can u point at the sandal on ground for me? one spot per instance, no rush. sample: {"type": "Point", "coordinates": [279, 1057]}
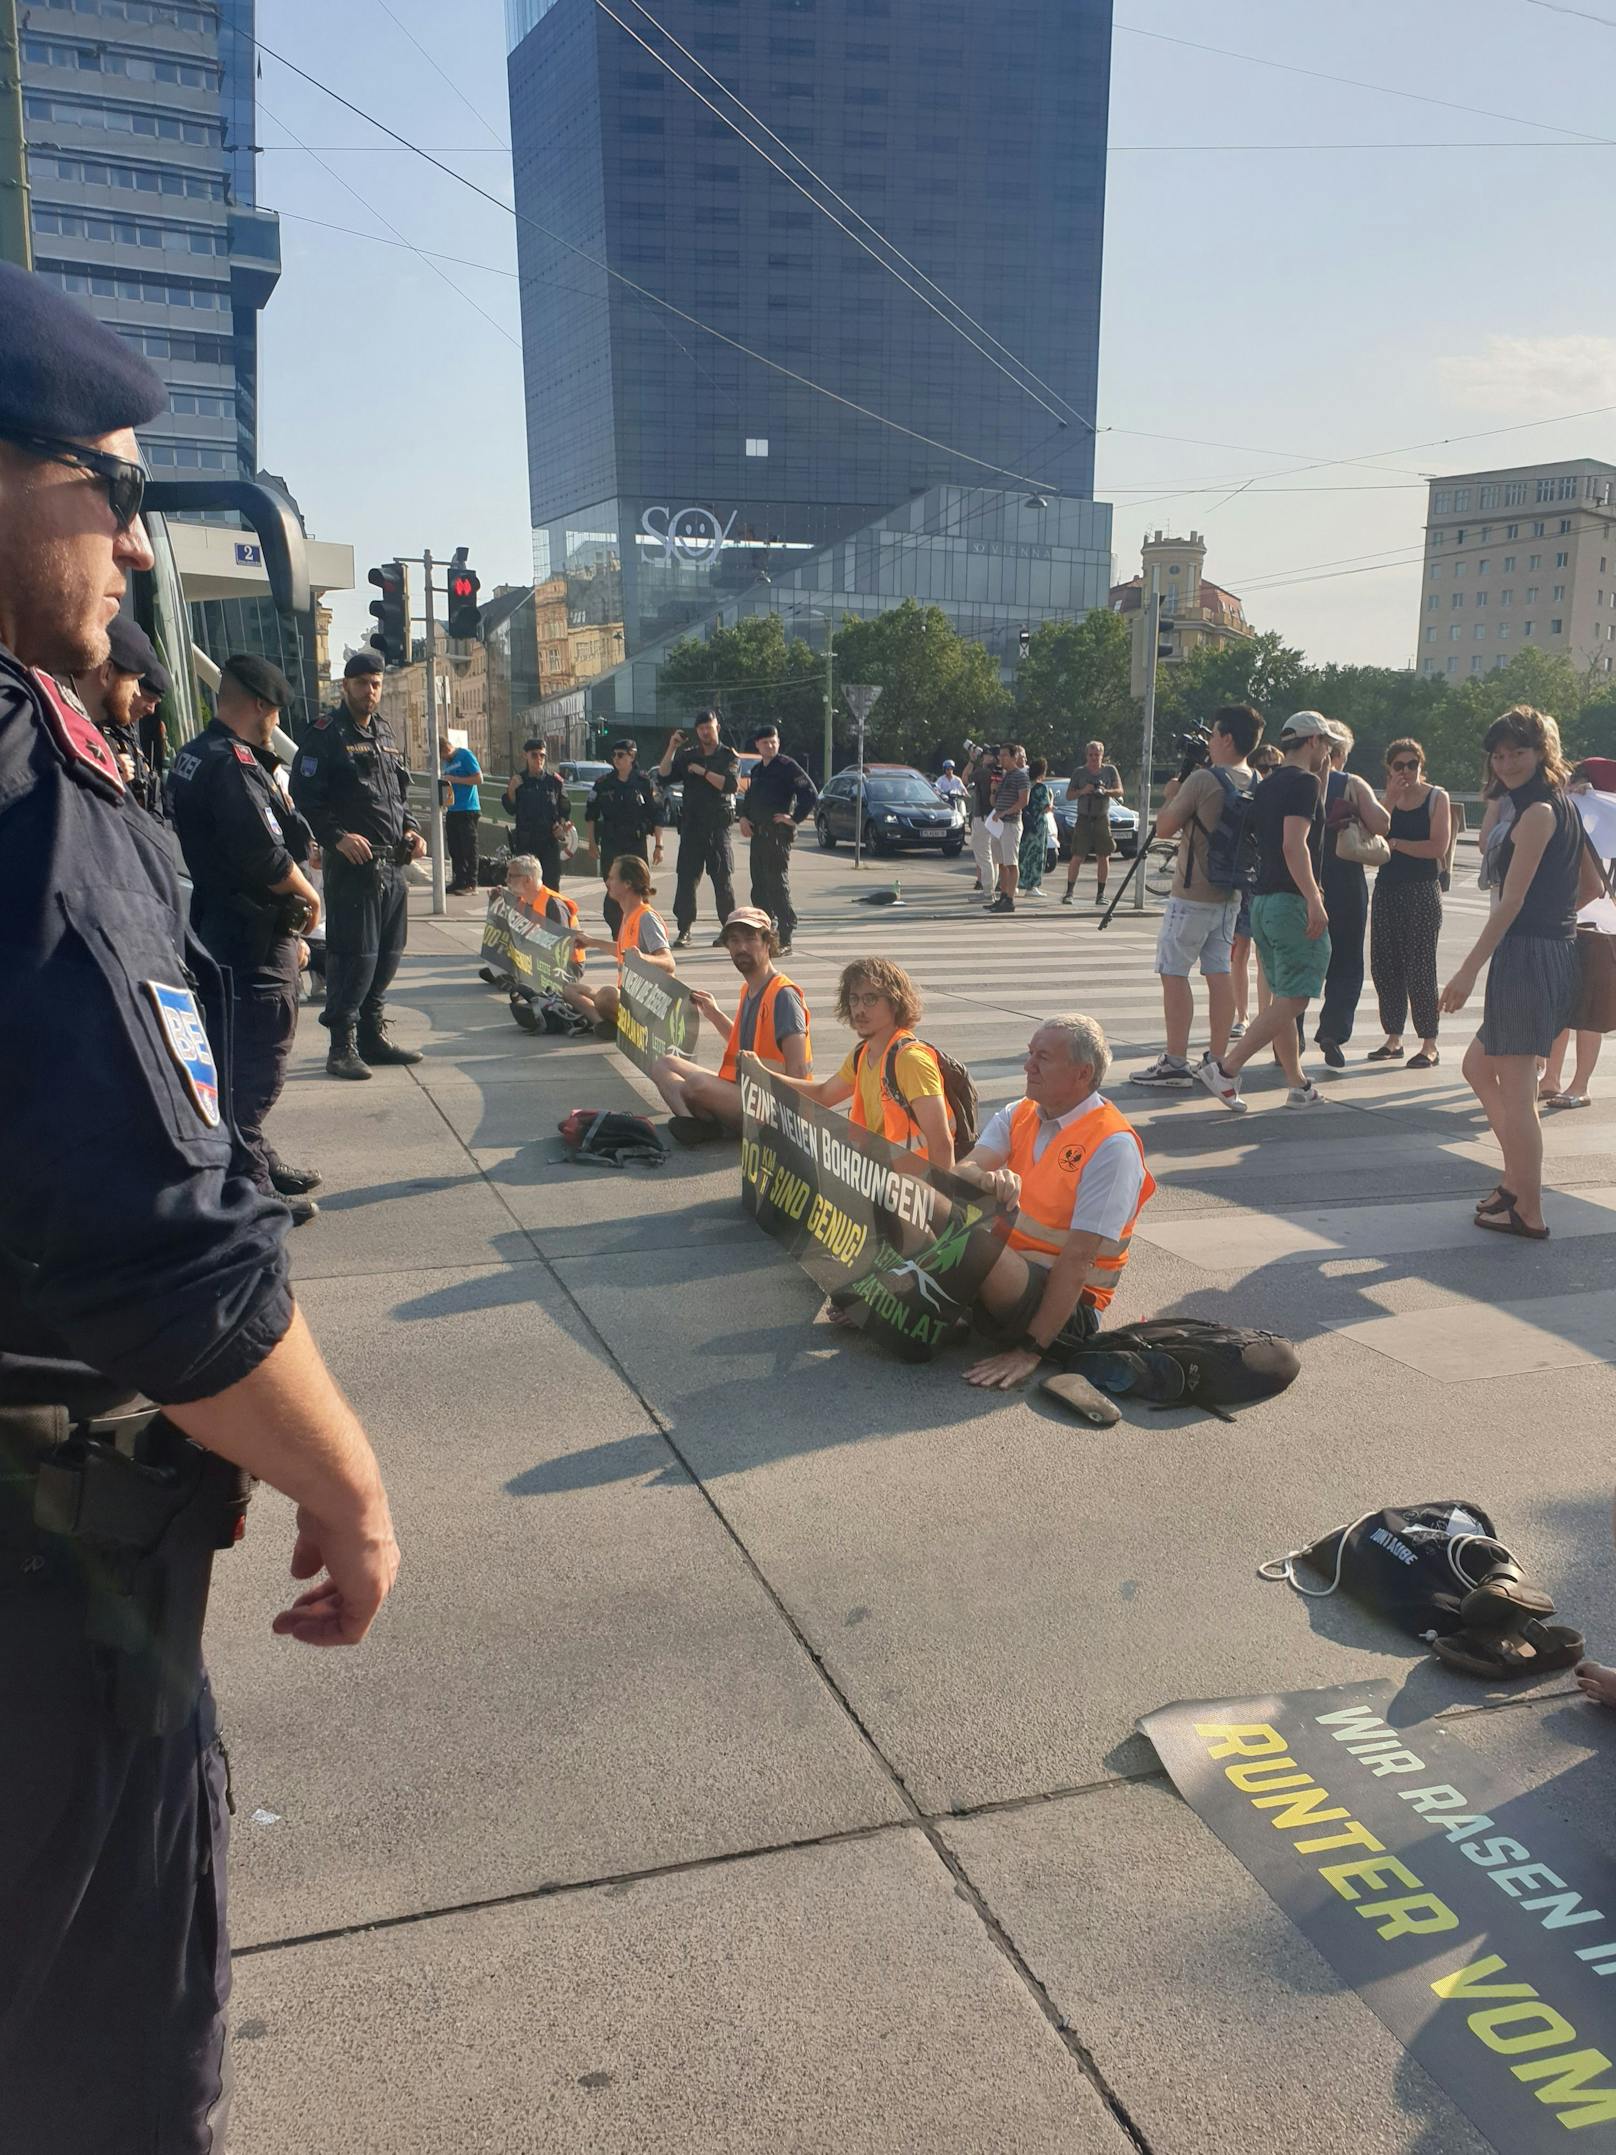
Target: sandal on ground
{"type": "Point", "coordinates": [1082, 1398]}
{"type": "Point", "coordinates": [1533, 1649]}
{"type": "Point", "coordinates": [1509, 1222]}
{"type": "Point", "coordinates": [1546, 1093]}
{"type": "Point", "coordinates": [1425, 1060]}
{"type": "Point", "coordinates": [1384, 1055]}
{"type": "Point", "coordinates": [1563, 1099]}
{"type": "Point", "coordinates": [1496, 1200]}
{"type": "Point", "coordinates": [1502, 1598]}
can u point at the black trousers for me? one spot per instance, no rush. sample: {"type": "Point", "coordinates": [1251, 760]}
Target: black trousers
{"type": "Point", "coordinates": [704, 853]}
{"type": "Point", "coordinates": [1346, 900]}
{"type": "Point", "coordinates": [1403, 933]}
{"type": "Point", "coordinates": [116, 1968]}
{"type": "Point", "coordinates": [771, 875]}
{"type": "Point", "coordinates": [460, 836]}
{"type": "Point", "coordinates": [263, 1028]}
{"type": "Point", "coordinates": [366, 923]}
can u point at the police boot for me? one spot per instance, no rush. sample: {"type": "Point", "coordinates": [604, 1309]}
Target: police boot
{"type": "Point", "coordinates": [376, 1045]}
{"type": "Point", "coordinates": [344, 1060]}
{"type": "Point", "coordinates": [293, 1181]}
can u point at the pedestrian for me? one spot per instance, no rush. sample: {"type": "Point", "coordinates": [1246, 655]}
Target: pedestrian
{"type": "Point", "coordinates": [894, 1080]}
{"type": "Point", "coordinates": [1008, 805]}
{"type": "Point", "coordinates": [1553, 1091]}
{"type": "Point", "coordinates": [537, 798]}
{"type": "Point", "coordinates": [462, 813]}
{"type": "Point", "coordinates": [1204, 807]}
{"type": "Point", "coordinates": [1289, 925]}
{"type": "Point", "coordinates": [1092, 787]}
{"type": "Point", "coordinates": [949, 783]}
{"type": "Point", "coordinates": [111, 694]}
{"type": "Point", "coordinates": [1348, 800]}
{"type": "Point", "coordinates": [246, 849]}
{"type": "Point", "coordinates": [623, 816]}
{"type": "Point", "coordinates": [352, 787]}
{"type": "Point", "coordinates": [640, 930]}
{"type": "Point", "coordinates": [779, 796]}
{"type": "Point", "coordinates": [1033, 858]}
{"type": "Point", "coordinates": [709, 771]}
{"type": "Point", "coordinates": [1407, 916]}
{"type": "Point", "coordinates": [770, 1022]}
{"type": "Point", "coordinates": [982, 780]}
{"type": "Point", "coordinates": [140, 1266]}
{"type": "Point", "coordinates": [1529, 949]}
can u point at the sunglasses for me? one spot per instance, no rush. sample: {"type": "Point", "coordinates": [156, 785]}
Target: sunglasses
{"type": "Point", "coordinates": [125, 482]}
{"type": "Point", "coordinates": [1406, 763]}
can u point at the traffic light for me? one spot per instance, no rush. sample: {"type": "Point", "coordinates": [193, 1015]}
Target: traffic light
{"type": "Point", "coordinates": [465, 615]}
{"type": "Point", "coordinates": [1025, 641]}
{"type": "Point", "coordinates": [392, 612]}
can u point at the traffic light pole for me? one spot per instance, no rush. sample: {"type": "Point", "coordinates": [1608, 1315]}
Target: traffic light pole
{"type": "Point", "coordinates": [16, 239]}
{"type": "Point", "coordinates": [440, 901]}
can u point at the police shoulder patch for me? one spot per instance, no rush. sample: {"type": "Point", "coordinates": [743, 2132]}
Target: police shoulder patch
{"type": "Point", "coordinates": [244, 754]}
{"type": "Point", "coordinates": [186, 1038]}
{"type": "Point", "coordinates": [310, 765]}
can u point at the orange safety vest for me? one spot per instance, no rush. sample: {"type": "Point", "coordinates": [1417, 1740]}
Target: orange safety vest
{"type": "Point", "coordinates": [898, 1126]}
{"type": "Point", "coordinates": [628, 931]}
{"type": "Point", "coordinates": [764, 1045]}
{"type": "Point", "coordinates": [1049, 1190]}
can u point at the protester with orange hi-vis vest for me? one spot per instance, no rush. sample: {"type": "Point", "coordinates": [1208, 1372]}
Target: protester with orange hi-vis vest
{"type": "Point", "coordinates": [1073, 1168]}
{"type": "Point", "coordinates": [641, 929]}
{"type": "Point", "coordinates": [771, 1022]}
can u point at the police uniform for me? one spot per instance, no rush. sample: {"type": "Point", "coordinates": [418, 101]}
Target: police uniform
{"type": "Point", "coordinates": [351, 778]}
{"type": "Point", "coordinates": [136, 1258]}
{"type": "Point", "coordinates": [704, 830]}
{"type": "Point", "coordinates": [240, 835]}
{"type": "Point", "coordinates": [780, 787]}
{"type": "Point", "coordinates": [540, 808]}
{"type": "Point", "coordinates": [623, 813]}
{"type": "Point", "coordinates": [132, 652]}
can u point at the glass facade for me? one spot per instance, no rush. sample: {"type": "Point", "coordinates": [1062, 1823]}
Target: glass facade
{"type": "Point", "coordinates": [698, 479]}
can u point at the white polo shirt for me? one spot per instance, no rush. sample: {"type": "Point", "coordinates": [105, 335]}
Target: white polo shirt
{"type": "Point", "coordinates": [1108, 1190]}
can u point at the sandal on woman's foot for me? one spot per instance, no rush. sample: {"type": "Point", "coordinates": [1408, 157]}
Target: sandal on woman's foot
{"type": "Point", "coordinates": [1509, 1222]}
{"type": "Point", "coordinates": [1385, 1055]}
{"type": "Point", "coordinates": [1497, 1200]}
{"type": "Point", "coordinates": [1427, 1059]}
{"type": "Point", "coordinates": [1563, 1099]}
{"type": "Point", "coordinates": [1533, 1649]}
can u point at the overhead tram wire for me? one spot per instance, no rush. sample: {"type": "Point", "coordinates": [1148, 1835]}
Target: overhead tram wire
{"type": "Point", "coordinates": [655, 298]}
{"type": "Point", "coordinates": [444, 76]}
{"type": "Point", "coordinates": [838, 198]}
{"type": "Point", "coordinates": [791, 181]}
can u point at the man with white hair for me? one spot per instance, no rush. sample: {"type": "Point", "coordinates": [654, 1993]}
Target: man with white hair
{"type": "Point", "coordinates": [1072, 1166]}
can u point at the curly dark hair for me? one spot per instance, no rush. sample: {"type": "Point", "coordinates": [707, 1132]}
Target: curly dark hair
{"type": "Point", "coordinates": [887, 979]}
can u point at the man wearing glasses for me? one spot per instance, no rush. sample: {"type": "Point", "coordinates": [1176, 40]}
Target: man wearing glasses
{"type": "Point", "coordinates": [111, 693]}
{"type": "Point", "coordinates": [137, 1264]}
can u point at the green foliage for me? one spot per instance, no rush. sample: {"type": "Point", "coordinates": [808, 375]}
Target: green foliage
{"type": "Point", "coordinates": [750, 672]}
{"type": "Point", "coordinates": [1259, 670]}
{"type": "Point", "coordinates": [1072, 687]}
{"type": "Point", "coordinates": [937, 687]}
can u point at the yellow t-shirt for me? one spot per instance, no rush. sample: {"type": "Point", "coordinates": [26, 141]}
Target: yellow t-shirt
{"type": "Point", "coordinates": [918, 1075]}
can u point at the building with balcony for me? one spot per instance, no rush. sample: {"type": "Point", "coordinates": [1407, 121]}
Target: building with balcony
{"type": "Point", "coordinates": [1194, 613]}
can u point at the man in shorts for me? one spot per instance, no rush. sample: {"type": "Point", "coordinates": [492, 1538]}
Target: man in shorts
{"type": "Point", "coordinates": [1199, 924]}
{"type": "Point", "coordinates": [1008, 804]}
{"type": "Point", "coordinates": [1288, 922]}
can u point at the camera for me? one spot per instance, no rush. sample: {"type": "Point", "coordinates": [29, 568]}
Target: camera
{"type": "Point", "coordinates": [1195, 751]}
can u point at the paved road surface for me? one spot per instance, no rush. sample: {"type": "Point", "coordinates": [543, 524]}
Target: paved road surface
{"type": "Point", "coordinates": [747, 1760]}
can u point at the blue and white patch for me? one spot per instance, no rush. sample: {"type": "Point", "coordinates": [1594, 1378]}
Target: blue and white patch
{"type": "Point", "coordinates": [186, 1039]}
{"type": "Point", "coordinates": [310, 765]}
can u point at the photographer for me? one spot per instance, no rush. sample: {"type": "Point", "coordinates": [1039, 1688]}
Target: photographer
{"type": "Point", "coordinates": [1205, 809]}
{"type": "Point", "coordinates": [709, 771]}
{"type": "Point", "coordinates": [982, 783]}
{"type": "Point", "coordinates": [1092, 787]}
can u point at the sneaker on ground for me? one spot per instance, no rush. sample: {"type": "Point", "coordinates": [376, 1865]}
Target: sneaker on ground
{"type": "Point", "coordinates": [1067, 899]}
{"type": "Point", "coordinates": [1033, 893]}
{"type": "Point", "coordinates": [1211, 1073]}
{"type": "Point", "coordinates": [1307, 1095]}
{"type": "Point", "coordinates": [1237, 1031]}
{"type": "Point", "coordinates": [1002, 904]}
{"type": "Point", "coordinates": [1165, 1070]}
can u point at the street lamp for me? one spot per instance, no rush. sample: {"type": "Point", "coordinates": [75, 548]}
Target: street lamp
{"type": "Point", "coordinates": [818, 614]}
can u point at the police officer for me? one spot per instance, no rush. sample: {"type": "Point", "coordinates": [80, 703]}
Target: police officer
{"type": "Point", "coordinates": [245, 846]}
{"type": "Point", "coordinates": [150, 732]}
{"type": "Point", "coordinates": [537, 798]}
{"type": "Point", "coordinates": [779, 796]}
{"type": "Point", "coordinates": [111, 694]}
{"type": "Point", "coordinates": [709, 771]}
{"type": "Point", "coordinates": [624, 812]}
{"type": "Point", "coordinates": [350, 783]}
{"type": "Point", "coordinates": [137, 1264]}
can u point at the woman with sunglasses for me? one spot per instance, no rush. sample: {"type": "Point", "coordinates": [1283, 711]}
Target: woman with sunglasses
{"type": "Point", "coordinates": [1530, 939]}
{"type": "Point", "coordinates": [1407, 918]}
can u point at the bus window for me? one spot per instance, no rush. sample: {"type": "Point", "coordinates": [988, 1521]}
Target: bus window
{"type": "Point", "coordinates": [159, 604]}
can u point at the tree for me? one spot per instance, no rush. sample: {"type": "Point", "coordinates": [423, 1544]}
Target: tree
{"type": "Point", "coordinates": [937, 687]}
{"type": "Point", "coordinates": [1259, 670]}
{"type": "Point", "coordinates": [750, 672]}
{"type": "Point", "coordinates": [1072, 687]}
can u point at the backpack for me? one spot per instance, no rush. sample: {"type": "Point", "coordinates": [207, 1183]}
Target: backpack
{"type": "Point", "coordinates": [1231, 846]}
{"type": "Point", "coordinates": [600, 1137]}
{"type": "Point", "coordinates": [1174, 1361]}
{"type": "Point", "coordinates": [959, 1090]}
{"type": "Point", "coordinates": [1411, 1563]}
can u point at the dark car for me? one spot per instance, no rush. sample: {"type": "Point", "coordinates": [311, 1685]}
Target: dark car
{"type": "Point", "coordinates": [900, 807]}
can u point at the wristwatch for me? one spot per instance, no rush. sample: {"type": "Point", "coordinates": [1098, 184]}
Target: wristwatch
{"type": "Point", "coordinates": [1030, 1345]}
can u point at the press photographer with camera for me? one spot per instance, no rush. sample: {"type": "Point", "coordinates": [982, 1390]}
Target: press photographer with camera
{"type": "Point", "coordinates": [1093, 786]}
{"type": "Point", "coordinates": [245, 849]}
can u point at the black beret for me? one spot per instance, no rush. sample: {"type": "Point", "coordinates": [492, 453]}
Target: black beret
{"type": "Point", "coordinates": [61, 371]}
{"type": "Point", "coordinates": [156, 678]}
{"type": "Point", "coordinates": [528, 746]}
{"type": "Point", "coordinates": [131, 647]}
{"type": "Point", "coordinates": [259, 678]}
{"type": "Point", "coordinates": [363, 662]}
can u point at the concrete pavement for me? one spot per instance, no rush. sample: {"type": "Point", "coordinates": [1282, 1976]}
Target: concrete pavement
{"type": "Point", "coordinates": [747, 1758]}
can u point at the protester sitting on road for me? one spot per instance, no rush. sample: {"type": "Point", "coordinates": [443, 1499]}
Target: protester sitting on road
{"type": "Point", "coordinates": [1348, 799]}
{"type": "Point", "coordinates": [1092, 787]}
{"type": "Point", "coordinates": [630, 889]}
{"type": "Point", "coordinates": [770, 1022]}
{"type": "Point", "coordinates": [1288, 920]}
{"type": "Point", "coordinates": [1407, 918]}
{"type": "Point", "coordinates": [1529, 949]}
{"type": "Point", "coordinates": [526, 887]}
{"type": "Point", "coordinates": [1202, 914]}
{"type": "Point", "coordinates": [894, 1081]}
{"type": "Point", "coordinates": [1072, 1166]}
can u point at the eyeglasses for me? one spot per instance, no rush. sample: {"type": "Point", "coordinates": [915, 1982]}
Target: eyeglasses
{"type": "Point", "coordinates": [1406, 763]}
{"type": "Point", "coordinates": [125, 482]}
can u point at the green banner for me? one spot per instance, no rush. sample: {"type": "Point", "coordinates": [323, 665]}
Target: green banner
{"type": "Point", "coordinates": [533, 954]}
{"type": "Point", "coordinates": [655, 1014]}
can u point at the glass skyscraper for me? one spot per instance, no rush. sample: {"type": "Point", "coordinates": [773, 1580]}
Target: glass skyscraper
{"type": "Point", "coordinates": [699, 481]}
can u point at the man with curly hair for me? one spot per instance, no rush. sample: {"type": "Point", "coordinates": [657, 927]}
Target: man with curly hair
{"type": "Point", "coordinates": [894, 1081]}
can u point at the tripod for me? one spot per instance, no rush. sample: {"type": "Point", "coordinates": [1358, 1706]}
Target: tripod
{"type": "Point", "coordinates": [1139, 858]}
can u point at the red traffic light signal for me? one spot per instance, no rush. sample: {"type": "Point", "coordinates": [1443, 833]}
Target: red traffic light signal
{"type": "Point", "coordinates": [465, 613]}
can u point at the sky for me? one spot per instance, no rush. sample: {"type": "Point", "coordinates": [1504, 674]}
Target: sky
{"type": "Point", "coordinates": [1315, 285]}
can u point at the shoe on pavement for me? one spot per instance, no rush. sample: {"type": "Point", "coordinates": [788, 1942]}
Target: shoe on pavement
{"type": "Point", "coordinates": [344, 1059]}
{"type": "Point", "coordinates": [1237, 1031]}
{"type": "Point", "coordinates": [293, 1181]}
{"type": "Point", "coordinates": [377, 1045]}
{"type": "Point", "coordinates": [525, 1015]}
{"type": "Point", "coordinates": [1034, 892]}
{"type": "Point", "coordinates": [1331, 1051]}
{"type": "Point", "coordinates": [682, 940]}
{"type": "Point", "coordinates": [1067, 898]}
{"type": "Point", "coordinates": [1166, 1070]}
{"type": "Point", "coordinates": [1307, 1095]}
{"type": "Point", "coordinates": [1077, 1393]}
{"type": "Point", "coordinates": [1099, 901]}
{"type": "Point", "coordinates": [785, 950]}
{"type": "Point", "coordinates": [1223, 1088]}
{"type": "Point", "coordinates": [605, 1028]}
{"type": "Point", "coordinates": [302, 1209]}
{"type": "Point", "coordinates": [695, 1130]}
{"type": "Point", "coordinates": [718, 940]}
{"type": "Point", "coordinates": [1002, 904]}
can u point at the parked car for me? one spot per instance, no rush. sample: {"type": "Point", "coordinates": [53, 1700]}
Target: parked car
{"type": "Point", "coordinates": [1124, 823]}
{"type": "Point", "coordinates": [580, 783]}
{"type": "Point", "coordinates": [900, 807]}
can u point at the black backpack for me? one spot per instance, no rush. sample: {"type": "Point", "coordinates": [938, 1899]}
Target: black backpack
{"type": "Point", "coordinates": [1411, 1563]}
{"type": "Point", "coordinates": [1231, 846]}
{"type": "Point", "coordinates": [1188, 1361]}
{"type": "Point", "coordinates": [959, 1090]}
{"type": "Point", "coordinates": [601, 1137]}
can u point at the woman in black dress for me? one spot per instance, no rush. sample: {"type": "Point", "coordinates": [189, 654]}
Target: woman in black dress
{"type": "Point", "coordinates": [1407, 919]}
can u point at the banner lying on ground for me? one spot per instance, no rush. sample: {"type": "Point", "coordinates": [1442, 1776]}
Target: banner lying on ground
{"type": "Point", "coordinates": [532, 952]}
{"type": "Point", "coordinates": [655, 1015]}
{"type": "Point", "coordinates": [1465, 1915]}
{"type": "Point", "coordinates": [905, 1251]}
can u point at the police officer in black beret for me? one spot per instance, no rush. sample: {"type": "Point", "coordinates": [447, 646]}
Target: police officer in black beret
{"type": "Point", "coordinates": [111, 694]}
{"type": "Point", "coordinates": [350, 782]}
{"type": "Point", "coordinates": [537, 798]}
{"type": "Point", "coordinates": [137, 1264]}
{"type": "Point", "coordinates": [150, 732]}
{"type": "Point", "coordinates": [245, 846]}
